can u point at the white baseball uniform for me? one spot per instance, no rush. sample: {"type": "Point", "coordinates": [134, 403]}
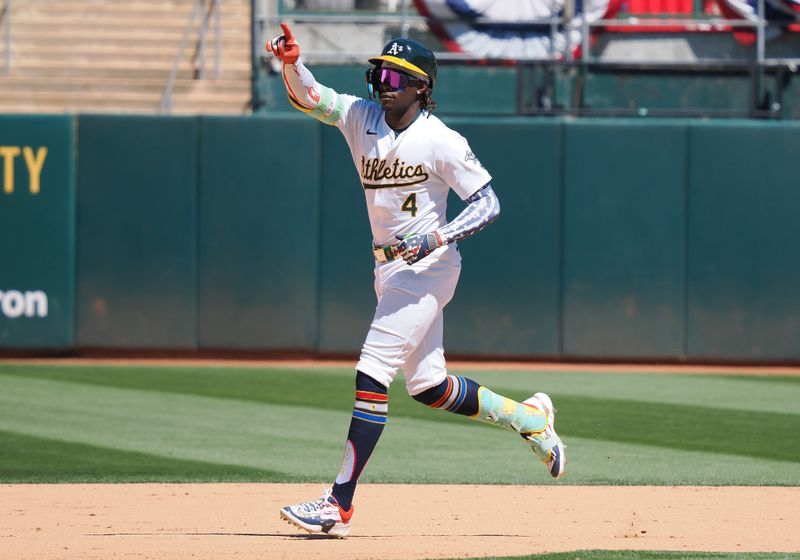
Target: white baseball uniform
{"type": "Point", "coordinates": [406, 177]}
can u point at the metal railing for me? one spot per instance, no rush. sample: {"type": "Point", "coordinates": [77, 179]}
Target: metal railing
{"type": "Point", "coordinates": [758, 22]}
{"type": "Point", "coordinates": [555, 83]}
{"type": "Point", "coordinates": [5, 18]}
{"type": "Point", "coordinates": [403, 20]}
{"type": "Point", "coordinates": [202, 11]}
{"type": "Point", "coordinates": [406, 19]}
{"type": "Point", "coordinates": [559, 88]}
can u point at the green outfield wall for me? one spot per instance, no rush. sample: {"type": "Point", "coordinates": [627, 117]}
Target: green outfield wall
{"type": "Point", "coordinates": [743, 274]}
{"type": "Point", "coordinates": [137, 232]}
{"type": "Point", "coordinates": [37, 232]}
{"type": "Point", "coordinates": [624, 238]}
{"type": "Point", "coordinates": [258, 234]}
{"type": "Point", "coordinates": [618, 239]}
{"type": "Point", "coordinates": [523, 286]}
{"type": "Point", "coordinates": [346, 287]}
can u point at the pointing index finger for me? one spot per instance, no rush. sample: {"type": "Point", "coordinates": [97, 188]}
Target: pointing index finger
{"type": "Point", "coordinates": [286, 31]}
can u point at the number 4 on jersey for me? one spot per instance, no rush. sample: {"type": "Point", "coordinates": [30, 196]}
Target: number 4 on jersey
{"type": "Point", "coordinates": [410, 205]}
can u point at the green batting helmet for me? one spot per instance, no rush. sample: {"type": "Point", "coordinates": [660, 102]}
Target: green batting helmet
{"type": "Point", "coordinates": [410, 55]}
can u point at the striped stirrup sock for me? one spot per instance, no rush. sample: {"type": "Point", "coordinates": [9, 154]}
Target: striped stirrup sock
{"type": "Point", "coordinates": [371, 407]}
{"type": "Point", "coordinates": [366, 427]}
{"type": "Point", "coordinates": [464, 396]}
{"type": "Point", "coordinates": [454, 394]}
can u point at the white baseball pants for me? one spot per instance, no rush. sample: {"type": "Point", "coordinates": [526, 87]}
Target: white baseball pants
{"type": "Point", "coordinates": [408, 327]}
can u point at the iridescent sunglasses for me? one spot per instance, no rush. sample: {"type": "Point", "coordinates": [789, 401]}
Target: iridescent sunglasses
{"type": "Point", "coordinates": [393, 78]}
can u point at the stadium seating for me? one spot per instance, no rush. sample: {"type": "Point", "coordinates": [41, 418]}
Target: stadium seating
{"type": "Point", "coordinates": [112, 56]}
{"type": "Point", "coordinates": [784, 13]}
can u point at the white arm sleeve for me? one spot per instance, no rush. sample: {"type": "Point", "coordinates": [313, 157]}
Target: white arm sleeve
{"type": "Point", "coordinates": [482, 209]}
{"type": "Point", "coordinates": [314, 99]}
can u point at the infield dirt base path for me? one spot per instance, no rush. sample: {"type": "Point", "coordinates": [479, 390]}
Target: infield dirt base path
{"type": "Point", "coordinates": [240, 521]}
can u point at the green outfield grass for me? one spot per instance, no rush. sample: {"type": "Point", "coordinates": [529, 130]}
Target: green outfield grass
{"type": "Point", "coordinates": [648, 555]}
{"type": "Point", "coordinates": [200, 423]}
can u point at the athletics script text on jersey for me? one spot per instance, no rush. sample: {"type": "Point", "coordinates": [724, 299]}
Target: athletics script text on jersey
{"type": "Point", "coordinates": [375, 169]}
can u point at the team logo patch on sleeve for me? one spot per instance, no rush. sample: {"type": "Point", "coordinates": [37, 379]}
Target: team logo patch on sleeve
{"type": "Point", "coordinates": [473, 158]}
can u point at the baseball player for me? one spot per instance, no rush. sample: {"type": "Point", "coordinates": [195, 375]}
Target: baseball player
{"type": "Point", "coordinates": [407, 160]}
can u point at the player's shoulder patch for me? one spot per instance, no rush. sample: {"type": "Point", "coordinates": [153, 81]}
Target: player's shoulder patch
{"type": "Point", "coordinates": [470, 157]}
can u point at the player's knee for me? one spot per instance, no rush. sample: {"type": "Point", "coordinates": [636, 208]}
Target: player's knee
{"type": "Point", "coordinates": [365, 382]}
{"type": "Point", "coordinates": [454, 394]}
{"type": "Point", "coordinates": [431, 396]}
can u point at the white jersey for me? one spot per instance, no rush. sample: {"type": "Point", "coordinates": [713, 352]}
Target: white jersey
{"type": "Point", "coordinates": [406, 176]}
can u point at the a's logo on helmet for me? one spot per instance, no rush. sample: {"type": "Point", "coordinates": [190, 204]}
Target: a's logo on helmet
{"type": "Point", "coordinates": [395, 49]}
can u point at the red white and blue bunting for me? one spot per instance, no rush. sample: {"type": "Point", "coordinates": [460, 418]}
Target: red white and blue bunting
{"type": "Point", "coordinates": [518, 29]}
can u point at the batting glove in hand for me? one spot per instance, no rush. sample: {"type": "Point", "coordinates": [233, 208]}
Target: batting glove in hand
{"type": "Point", "coordinates": [285, 47]}
{"type": "Point", "coordinates": [417, 246]}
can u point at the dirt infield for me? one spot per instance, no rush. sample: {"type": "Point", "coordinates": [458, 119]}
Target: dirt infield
{"type": "Point", "coordinates": [212, 521]}
{"type": "Point", "coordinates": [393, 522]}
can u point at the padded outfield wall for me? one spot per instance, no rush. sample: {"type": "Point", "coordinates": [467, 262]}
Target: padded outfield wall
{"type": "Point", "coordinates": [618, 239]}
{"type": "Point", "coordinates": [37, 232]}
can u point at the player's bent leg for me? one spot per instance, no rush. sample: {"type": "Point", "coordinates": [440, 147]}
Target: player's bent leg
{"type": "Point", "coordinates": [533, 419]}
{"type": "Point", "coordinates": [426, 367]}
{"type": "Point", "coordinates": [455, 394]}
{"type": "Point", "coordinates": [399, 325]}
{"type": "Point", "coordinates": [366, 426]}
{"type": "Point", "coordinates": [409, 304]}
{"type": "Point", "coordinates": [331, 513]}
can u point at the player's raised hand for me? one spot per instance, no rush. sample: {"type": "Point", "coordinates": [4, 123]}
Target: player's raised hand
{"type": "Point", "coordinates": [285, 47]}
{"type": "Point", "coordinates": [417, 246]}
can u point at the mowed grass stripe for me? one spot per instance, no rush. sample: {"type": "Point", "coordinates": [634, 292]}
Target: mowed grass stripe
{"type": "Point", "coordinates": [691, 428]}
{"type": "Point", "coordinates": [713, 391]}
{"type": "Point", "coordinates": [674, 426]}
{"type": "Point", "coordinates": [650, 555]}
{"type": "Point", "coordinates": [467, 453]}
{"type": "Point", "coordinates": [27, 459]}
{"type": "Point", "coordinates": [776, 379]}
{"type": "Point", "coordinates": [599, 462]}
{"type": "Point", "coordinates": [170, 425]}
{"type": "Point", "coordinates": [303, 442]}
{"type": "Point", "coordinates": [306, 443]}
{"type": "Point", "coordinates": [733, 432]}
{"type": "Point", "coordinates": [333, 387]}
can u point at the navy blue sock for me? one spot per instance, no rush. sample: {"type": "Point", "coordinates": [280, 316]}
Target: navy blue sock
{"type": "Point", "coordinates": [366, 426]}
{"type": "Point", "coordinates": [454, 394]}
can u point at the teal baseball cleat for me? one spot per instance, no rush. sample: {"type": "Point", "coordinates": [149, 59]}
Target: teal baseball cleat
{"type": "Point", "coordinates": [546, 444]}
